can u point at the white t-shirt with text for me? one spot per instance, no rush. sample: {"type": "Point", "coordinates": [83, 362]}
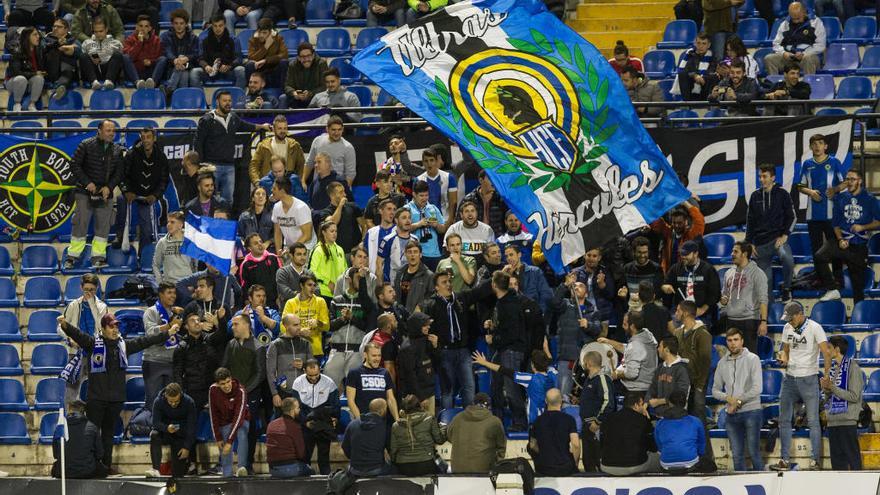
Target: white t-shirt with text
{"type": "Point", "coordinates": [803, 343]}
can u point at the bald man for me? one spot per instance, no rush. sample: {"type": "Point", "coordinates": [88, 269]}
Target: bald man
{"type": "Point", "coordinates": [553, 439]}
{"type": "Point", "coordinates": [800, 39]}
{"type": "Point", "coordinates": [364, 441]}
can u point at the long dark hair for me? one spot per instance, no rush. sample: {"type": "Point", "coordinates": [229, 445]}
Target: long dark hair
{"type": "Point", "coordinates": [326, 224]}
{"type": "Point", "coordinates": [24, 41]}
{"type": "Point", "coordinates": [736, 44]}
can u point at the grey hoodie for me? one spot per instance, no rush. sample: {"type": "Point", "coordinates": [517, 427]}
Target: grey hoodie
{"type": "Point", "coordinates": [746, 290]}
{"type": "Point", "coordinates": [639, 361]}
{"type": "Point", "coordinates": [739, 376]}
{"type": "Point", "coordinates": [853, 395]}
{"type": "Point", "coordinates": [159, 353]}
{"type": "Point", "coordinates": [667, 379]}
{"type": "Point", "coordinates": [169, 265]}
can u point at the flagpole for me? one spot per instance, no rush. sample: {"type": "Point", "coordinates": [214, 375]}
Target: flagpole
{"type": "Point", "coordinates": [226, 283]}
{"type": "Point", "coordinates": [63, 440]}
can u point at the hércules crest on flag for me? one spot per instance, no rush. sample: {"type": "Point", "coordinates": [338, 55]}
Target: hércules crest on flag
{"type": "Point", "coordinates": [540, 109]}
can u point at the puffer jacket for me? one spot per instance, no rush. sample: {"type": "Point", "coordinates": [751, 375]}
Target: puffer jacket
{"type": "Point", "coordinates": [305, 79]}
{"type": "Point", "coordinates": [96, 162]}
{"type": "Point", "coordinates": [195, 360]}
{"type": "Point", "coordinates": [413, 437]}
{"type": "Point", "coordinates": [571, 337]}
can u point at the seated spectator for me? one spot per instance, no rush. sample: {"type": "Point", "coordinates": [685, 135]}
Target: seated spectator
{"type": "Point", "coordinates": [341, 159]}
{"type": "Point", "coordinates": [83, 451]}
{"type": "Point", "coordinates": [554, 444]}
{"type": "Point", "coordinates": [413, 438]}
{"type": "Point", "coordinates": [695, 65]}
{"type": "Point", "coordinates": [84, 18]}
{"type": "Point", "coordinates": [734, 48]}
{"type": "Point", "coordinates": [130, 11]}
{"type": "Point", "coordinates": [285, 443]}
{"type": "Point", "coordinates": [385, 189]}
{"type": "Point", "coordinates": [230, 420]}
{"type": "Point", "coordinates": [181, 49]}
{"type": "Point", "coordinates": [336, 96]}
{"type": "Point", "coordinates": [800, 39]}
{"type": "Point", "coordinates": [249, 11]}
{"type": "Point", "coordinates": [280, 145]}
{"type": "Point", "coordinates": [421, 8]}
{"type": "Point", "coordinates": [305, 77]}
{"type": "Point", "coordinates": [622, 60]}
{"type": "Point", "coordinates": [695, 280]}
{"type": "Point", "coordinates": [218, 57]}
{"type": "Point", "coordinates": [101, 58]}
{"type": "Point", "coordinates": [381, 12]}
{"type": "Point", "coordinates": [255, 96]}
{"type": "Point", "coordinates": [60, 49]}
{"type": "Point", "coordinates": [257, 219]}
{"type": "Point", "coordinates": [516, 236]}
{"type": "Point", "coordinates": [681, 439]}
{"type": "Point", "coordinates": [258, 270]}
{"type": "Point", "coordinates": [174, 424]}
{"type": "Point", "coordinates": [596, 404]}
{"type": "Point", "coordinates": [689, 9]}
{"type": "Point", "coordinates": [639, 364]}
{"type": "Point", "coordinates": [27, 70]}
{"type": "Point", "coordinates": [141, 53]}
{"type": "Point", "coordinates": [28, 13]}
{"type": "Point", "coordinates": [641, 89]}
{"type": "Point", "coordinates": [365, 440]}
{"type": "Point", "coordinates": [791, 87]}
{"type": "Point", "coordinates": [477, 438]}
{"type": "Point", "coordinates": [267, 53]}
{"type": "Point", "coordinates": [672, 376]}
{"type": "Point", "coordinates": [741, 89]}
{"type": "Point", "coordinates": [627, 440]}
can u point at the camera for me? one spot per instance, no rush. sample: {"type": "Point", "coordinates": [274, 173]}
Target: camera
{"type": "Point", "coordinates": [97, 201]}
{"type": "Point", "coordinates": [425, 235]}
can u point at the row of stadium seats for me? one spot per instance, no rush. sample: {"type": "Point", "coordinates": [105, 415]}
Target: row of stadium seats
{"type": "Point", "coordinates": [720, 245]}
{"type": "Point", "coordinates": [45, 292]}
{"type": "Point", "coordinates": [43, 327]}
{"type": "Point", "coordinates": [44, 260]}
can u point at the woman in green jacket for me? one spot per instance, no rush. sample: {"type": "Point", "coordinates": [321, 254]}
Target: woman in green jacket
{"type": "Point", "coordinates": [413, 437]}
{"type": "Point", "coordinates": [327, 261]}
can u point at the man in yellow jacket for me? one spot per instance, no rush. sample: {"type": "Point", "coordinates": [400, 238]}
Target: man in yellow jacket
{"type": "Point", "coordinates": [312, 312]}
{"type": "Point", "coordinates": [279, 144]}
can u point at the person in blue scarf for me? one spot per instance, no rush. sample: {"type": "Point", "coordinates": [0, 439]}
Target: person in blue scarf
{"type": "Point", "coordinates": [843, 403]}
{"type": "Point", "coordinates": [107, 357]}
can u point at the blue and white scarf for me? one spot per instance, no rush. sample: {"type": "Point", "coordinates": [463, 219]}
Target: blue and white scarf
{"type": "Point", "coordinates": [840, 375]}
{"type": "Point", "coordinates": [263, 335]}
{"type": "Point", "coordinates": [99, 355]}
{"type": "Point", "coordinates": [73, 368]}
{"type": "Point", "coordinates": [172, 341]}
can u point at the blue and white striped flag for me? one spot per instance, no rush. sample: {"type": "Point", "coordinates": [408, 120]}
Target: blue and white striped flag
{"type": "Point", "coordinates": [540, 109]}
{"type": "Point", "coordinates": [62, 425]}
{"type": "Point", "coordinates": [211, 240]}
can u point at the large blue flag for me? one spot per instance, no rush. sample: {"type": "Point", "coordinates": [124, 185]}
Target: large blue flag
{"type": "Point", "coordinates": [540, 110]}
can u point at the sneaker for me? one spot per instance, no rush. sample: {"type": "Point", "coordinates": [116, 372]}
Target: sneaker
{"type": "Point", "coordinates": [60, 91]}
{"type": "Point", "coordinates": [831, 295]}
{"type": "Point", "coordinates": [140, 84]}
{"type": "Point", "coordinates": [108, 85]}
{"type": "Point", "coordinates": [785, 295]}
{"type": "Point", "coordinates": [241, 472]}
{"type": "Point", "coordinates": [215, 470]}
{"type": "Point", "coordinates": [152, 473]}
{"type": "Point", "coordinates": [149, 83]}
{"type": "Point", "coordinates": [70, 263]}
{"type": "Point", "coordinates": [16, 107]}
{"type": "Point", "coordinates": [193, 470]}
{"type": "Point", "coordinates": [96, 85]}
{"type": "Point", "coordinates": [291, 23]}
{"type": "Point", "coordinates": [782, 465]}
{"type": "Point", "coordinates": [99, 262]}
{"type": "Point", "coordinates": [814, 465]}
{"type": "Point", "coordinates": [32, 108]}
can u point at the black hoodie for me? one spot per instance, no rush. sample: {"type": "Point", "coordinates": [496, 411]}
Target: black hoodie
{"type": "Point", "coordinates": [770, 215]}
{"type": "Point", "coordinates": [364, 443]}
{"type": "Point", "coordinates": [83, 450]}
{"type": "Point", "coordinates": [415, 361]}
{"type": "Point", "coordinates": [145, 175]}
{"type": "Point", "coordinates": [222, 47]}
{"type": "Point", "coordinates": [184, 416]}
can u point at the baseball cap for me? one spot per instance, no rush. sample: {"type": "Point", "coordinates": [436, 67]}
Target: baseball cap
{"type": "Point", "coordinates": [108, 320]}
{"type": "Point", "coordinates": [791, 309]}
{"type": "Point", "coordinates": [688, 248]}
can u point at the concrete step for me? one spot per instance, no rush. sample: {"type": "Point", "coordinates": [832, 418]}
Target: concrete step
{"type": "Point", "coordinates": [656, 24]}
{"type": "Point", "coordinates": [869, 442]}
{"type": "Point", "coordinates": [606, 40]}
{"type": "Point", "coordinates": [871, 459]}
{"type": "Point", "coordinates": [617, 11]}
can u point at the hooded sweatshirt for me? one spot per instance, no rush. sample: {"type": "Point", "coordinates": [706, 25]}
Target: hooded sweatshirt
{"type": "Point", "coordinates": [770, 215]}
{"type": "Point", "coordinates": [169, 264]}
{"type": "Point", "coordinates": [739, 376]}
{"type": "Point", "coordinates": [696, 348]}
{"type": "Point", "coordinates": [413, 437]}
{"type": "Point", "coordinates": [415, 361]}
{"type": "Point", "coordinates": [852, 394]}
{"type": "Point", "coordinates": [681, 439]}
{"type": "Point", "coordinates": [364, 443]}
{"type": "Point", "coordinates": [667, 379]}
{"type": "Point", "coordinates": [478, 440]}
{"type": "Point", "coordinates": [639, 361]}
{"type": "Point", "coordinates": [746, 289]}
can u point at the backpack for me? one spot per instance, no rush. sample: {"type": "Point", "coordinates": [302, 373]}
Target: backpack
{"type": "Point", "coordinates": [349, 9]}
{"type": "Point", "coordinates": [140, 287]}
{"type": "Point", "coordinates": [339, 481]}
{"type": "Point", "coordinates": [866, 418]}
{"type": "Point", "coordinates": [141, 423]}
{"type": "Point", "coordinates": [517, 465]}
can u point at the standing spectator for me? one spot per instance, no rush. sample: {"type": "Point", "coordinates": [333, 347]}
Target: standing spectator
{"type": "Point", "coordinates": [205, 304]}
{"type": "Point", "coordinates": [655, 315]}
{"type": "Point", "coordinates": [575, 328]}
{"type": "Point", "coordinates": [392, 249]}
{"type": "Point", "coordinates": [216, 139]}
{"type": "Point", "coordinates": [537, 383]}
{"type": "Point", "coordinates": [351, 310]}
{"type": "Point", "coordinates": [141, 52]}
{"type": "Point", "coordinates": [802, 340]}
{"type": "Point", "coordinates": [680, 438]}
{"type": "Point", "coordinates": [291, 216]}
{"type": "Point", "coordinates": [800, 39]}
{"type": "Point", "coordinates": [462, 267]}
{"type": "Point", "coordinates": [385, 189]}
{"type": "Point", "coordinates": [180, 48]}
{"type": "Point", "coordinates": [319, 410]}
{"type": "Point", "coordinates": [325, 175]}
{"type": "Point", "coordinates": [641, 268]}
{"type": "Point", "coordinates": [206, 202]}
{"type": "Point", "coordinates": [107, 356]}
{"type": "Point", "coordinates": [336, 96]}
{"type": "Point", "coordinates": [416, 360]}
{"type": "Point", "coordinates": [597, 402]}
{"type": "Point", "coordinates": [257, 219]}
{"type": "Point", "coordinates": [286, 358]}
{"type": "Point", "coordinates": [379, 231]}
{"type": "Point", "coordinates": [287, 277]}
{"type": "Point", "coordinates": [641, 89]}
{"type": "Point", "coordinates": [689, 9]}
{"type": "Point", "coordinates": [291, 10]}
{"type": "Point", "coordinates": [490, 205]}
{"type": "Point", "coordinates": [843, 406]}
{"type": "Point", "coordinates": [477, 438]}
{"type": "Point", "coordinates": [737, 384]}
{"type": "Point", "coordinates": [86, 310]}
{"type": "Point", "coordinates": [686, 224]}
{"type": "Point", "coordinates": [369, 382]}
{"type": "Point", "coordinates": [672, 375]}
{"type": "Point", "coordinates": [514, 235]}
{"type": "Point", "coordinates": [305, 77]}
{"type": "Point", "coordinates": [174, 424]}
{"type": "Point", "coordinates": [489, 263]}
{"type": "Point", "coordinates": [744, 296]}
{"type": "Point", "coordinates": [196, 358]}
{"type": "Point", "coordinates": [337, 149]}
{"type": "Point", "coordinates": [718, 22]}
{"type": "Point", "coordinates": [267, 53]}
{"type": "Point", "coordinates": [600, 286]}
{"type": "Point", "coordinates": [259, 268]}
{"type": "Point", "coordinates": [327, 260]}
{"type": "Point", "coordinates": [157, 366]}
{"type": "Point", "coordinates": [347, 216]}
{"type": "Point", "coordinates": [230, 420]}
{"type": "Point", "coordinates": [60, 51]}
{"type": "Point", "coordinates": [695, 343]}
{"type": "Point", "coordinates": [474, 233]}
{"type": "Point", "coordinates": [381, 12]}
{"type": "Point", "coordinates": [358, 257]}
{"type": "Point", "coordinates": [83, 451]}
{"type": "Point", "coordinates": [183, 178]}
{"type": "Point", "coordinates": [532, 282]}
{"type": "Point", "coordinates": [791, 87]}
{"type": "Point", "coordinates": [386, 302]}
{"type": "Point", "coordinates": [98, 168]}
{"type": "Point", "coordinates": [285, 443]}
{"type": "Point", "coordinates": [856, 213]}
{"type": "Point", "coordinates": [101, 58]}
{"type": "Point", "coordinates": [281, 145]}
{"type": "Point", "coordinates": [413, 438]}
{"type": "Point", "coordinates": [249, 11]}
{"type": "Point", "coordinates": [28, 70]}
{"type": "Point", "coordinates": [621, 60]}
{"type": "Point", "coordinates": [28, 13]}
{"type": "Point", "coordinates": [627, 440]}
{"type": "Point", "coordinates": [265, 320]}
{"type": "Point", "coordinates": [696, 64]}
{"type": "Point", "coordinates": [312, 312]}
{"type": "Point", "coordinates": [365, 440]}
{"type": "Point", "coordinates": [131, 10]}
{"type": "Point", "coordinates": [554, 444]}
{"type": "Point", "coordinates": [639, 364]}
{"type": "Point", "coordinates": [413, 282]}
{"type": "Point", "coordinates": [427, 224]}
{"type": "Point", "coordinates": [739, 88]}
{"type": "Point", "coordinates": [770, 219]}
{"type": "Point", "coordinates": [218, 57]}
{"type": "Point", "coordinates": [144, 184]}
{"type": "Point", "coordinates": [83, 20]}
{"type": "Point", "coordinates": [694, 280]}
{"type": "Point", "coordinates": [442, 186]}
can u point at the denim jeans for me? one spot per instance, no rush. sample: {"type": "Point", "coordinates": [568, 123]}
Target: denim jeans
{"type": "Point", "coordinates": [198, 77]}
{"type": "Point", "coordinates": [293, 470]}
{"type": "Point", "coordinates": [805, 389]}
{"type": "Point", "coordinates": [456, 375]}
{"type": "Point", "coordinates": [719, 39]}
{"type": "Point", "coordinates": [744, 431]}
{"type": "Point", "coordinates": [764, 259]}
{"type": "Point", "coordinates": [155, 71]}
{"type": "Point", "coordinates": [251, 18]}
{"type": "Point", "coordinates": [147, 221]}
{"type": "Point", "coordinates": [241, 436]}
{"type": "Point", "coordinates": [224, 177]}
{"type": "Point", "coordinates": [505, 389]}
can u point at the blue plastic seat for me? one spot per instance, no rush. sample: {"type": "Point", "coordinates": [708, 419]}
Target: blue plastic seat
{"type": "Point", "coordinates": [483, 381]}
{"type": "Point", "coordinates": [746, 10]}
{"type": "Point", "coordinates": [659, 64]}
{"type": "Point", "coordinates": [148, 99]}
{"type": "Point", "coordinates": [771, 385]}
{"type": "Point", "coordinates": [872, 388]}
{"type": "Point", "coordinates": [131, 322]}
{"type": "Point", "coordinates": [48, 359]}
{"type": "Point", "coordinates": [28, 134]}
{"type": "Point", "coordinates": [840, 59]}
{"type": "Point", "coordinates": [42, 292]}
{"type": "Point", "coordinates": [860, 29]}
{"type": "Point", "coordinates": [865, 315]}
{"type": "Point", "coordinates": [13, 429]}
{"type": "Point", "coordinates": [684, 114]}
{"type": "Point", "coordinates": [679, 34]}
{"type": "Point", "coordinates": [801, 248]}
{"type": "Point", "coordinates": [575, 413]}
{"type": "Point", "coordinates": [874, 248]}
{"type": "Point", "coordinates": [188, 99]}
{"type": "Point", "coordinates": [347, 73]}
{"type": "Point", "coordinates": [134, 393]}
{"type": "Point", "coordinates": [107, 100]}
{"type": "Point", "coordinates": [63, 123]}
{"type": "Point", "coordinates": [830, 112]}
{"type": "Point", "coordinates": [830, 314]}
{"type": "Point", "coordinates": [765, 348]}
{"type": "Point", "coordinates": [83, 263]}
{"type": "Point", "coordinates": [135, 363]}
{"type": "Point", "coordinates": [167, 7]}
{"type": "Point", "coordinates": [39, 260]}
{"type": "Point", "coordinates": [43, 326]}
{"type": "Point", "coordinates": [320, 13]}
{"type": "Point", "coordinates": [50, 394]}
{"type": "Point", "coordinates": [146, 258]}
{"type": "Point", "coordinates": [833, 28]}
{"type": "Point", "coordinates": [446, 415]}
{"type": "Point", "coordinates": [869, 349]}
{"type": "Point", "coordinates": [759, 55]}
{"type": "Point", "coordinates": [72, 100]}
{"type": "Point", "coordinates": [114, 283]}
{"type": "Point", "coordinates": [204, 432]}
{"type": "Point", "coordinates": [49, 428]}
{"type": "Point", "coordinates": [9, 328]}
{"type": "Point", "coordinates": [719, 247]}
{"type": "Point", "coordinates": [132, 137]}
{"type": "Point", "coordinates": [6, 268]}
{"type": "Point", "coordinates": [774, 317]}
{"type": "Point", "coordinates": [854, 88]}
{"type": "Point", "coordinates": [180, 124]}
{"type": "Point", "coordinates": [753, 31]}
{"type": "Point", "coordinates": [365, 96]}
{"type": "Point", "coordinates": [293, 38]}
{"type": "Point", "coordinates": [333, 42]}
{"type": "Point", "coordinates": [243, 36]}
{"type": "Point", "coordinates": [119, 261]}
{"type": "Point", "coordinates": [870, 62]}
{"type": "Point", "coordinates": [821, 86]}
{"type": "Point", "coordinates": [8, 298]}
{"type": "Point", "coordinates": [367, 37]}
{"type": "Point", "coordinates": [847, 290]}
{"type": "Point", "coordinates": [237, 94]}
{"type": "Point", "coordinates": [358, 22]}
{"type": "Point", "coordinates": [666, 87]}
{"type": "Point", "coordinates": [10, 363]}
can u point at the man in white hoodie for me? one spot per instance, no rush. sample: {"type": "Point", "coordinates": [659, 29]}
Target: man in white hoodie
{"type": "Point", "coordinates": [744, 295]}
{"type": "Point", "coordinates": [738, 384]}
{"type": "Point", "coordinates": [85, 312]}
{"type": "Point", "coordinates": [639, 363]}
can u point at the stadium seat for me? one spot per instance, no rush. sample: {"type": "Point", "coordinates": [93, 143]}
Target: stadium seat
{"type": "Point", "coordinates": [683, 114]}
{"type": "Point", "coordinates": [50, 394]}
{"type": "Point", "coordinates": [347, 73]}
{"type": "Point", "coordinates": [869, 349]}
{"type": "Point", "coordinates": [874, 249]}
{"type": "Point", "coordinates": [83, 263]}
{"type": "Point", "coordinates": [822, 86]}
{"type": "Point", "coordinates": [72, 100]}
{"type": "Point", "coordinates": [872, 129]}
{"type": "Point", "coordinates": [13, 429]}
{"type": "Point", "coordinates": [9, 327]}
{"type": "Point", "coordinates": [188, 99]}
{"type": "Point", "coordinates": [48, 427]}
{"type": "Point", "coordinates": [840, 60]}
{"type": "Point", "coordinates": [333, 42]}
{"type": "Point", "coordinates": [43, 326]}
{"type": "Point", "coordinates": [135, 363]}
{"type": "Point", "coordinates": [854, 88]}
{"type": "Point", "coordinates": [10, 363]}
{"type": "Point", "coordinates": [48, 359]}
{"type": "Point", "coordinates": [238, 97]}
{"type": "Point", "coordinates": [483, 380]}
{"type": "Point", "coordinates": [180, 124]}
{"type": "Point", "coordinates": [6, 268]}
{"type": "Point", "coordinates": [865, 316]}
{"type": "Point", "coordinates": [8, 298]}
{"type": "Point", "coordinates": [243, 36]}
{"type": "Point", "coordinates": [107, 100]}
{"type": "Point", "coordinates": [715, 112]}
{"type": "Point", "coordinates": [659, 64]}
{"type": "Point", "coordinates": [365, 96]}
{"type": "Point", "coordinates": [870, 62]}
{"type": "Point", "coordinates": [320, 13]}
{"type": "Point", "coordinates": [367, 37]}
{"type": "Point", "coordinates": [718, 247]}
{"type": "Point", "coordinates": [204, 433]}
{"type": "Point", "coordinates": [753, 31]}
{"type": "Point", "coordinates": [132, 137]}
{"type": "Point", "coordinates": [746, 10]}
{"type": "Point", "coordinates": [39, 260]}
{"type": "Point", "coordinates": [806, 293]}
{"type": "Point", "coordinates": [293, 38]}
{"type": "Point", "coordinates": [801, 248]}
{"type": "Point", "coordinates": [679, 34]}
{"type": "Point", "coordinates": [830, 314]}
{"type": "Point", "coordinates": [63, 123]}
{"type": "Point", "coordinates": [131, 322]}
{"type": "Point", "coordinates": [666, 86]}
{"type": "Point", "coordinates": [772, 384]}
{"type": "Point", "coordinates": [167, 7]}
{"type": "Point", "coordinates": [830, 112]}
{"type": "Point", "coordinates": [119, 261]}
{"type": "Point", "coordinates": [872, 388]}
{"type": "Point", "coordinates": [759, 55]}
{"type": "Point", "coordinates": [574, 412]}
{"type": "Point", "coordinates": [148, 99]}
{"type": "Point", "coordinates": [42, 292]}
{"type": "Point", "coordinates": [775, 29]}
{"type": "Point", "coordinates": [765, 348]}
{"type": "Point", "coordinates": [146, 258]}
{"type": "Point", "coordinates": [847, 290]}
{"type": "Point", "coordinates": [28, 134]}
{"type": "Point", "coordinates": [446, 415]}
{"type": "Point", "coordinates": [833, 28]}
{"type": "Point", "coordinates": [134, 393]}
{"type": "Point", "coordinates": [774, 317]}
{"type": "Point", "coordinates": [860, 29]}
{"type": "Point", "coordinates": [115, 283]}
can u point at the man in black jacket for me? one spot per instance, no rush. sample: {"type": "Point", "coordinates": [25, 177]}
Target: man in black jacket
{"type": "Point", "coordinates": [219, 58]}
{"type": "Point", "coordinates": [107, 356]}
{"type": "Point", "coordinates": [365, 440]}
{"type": "Point", "coordinates": [627, 440]}
{"type": "Point", "coordinates": [415, 361]}
{"type": "Point", "coordinates": [789, 88]}
{"type": "Point", "coordinates": [769, 221]}
{"type": "Point", "coordinates": [597, 402]}
{"type": "Point", "coordinates": [97, 168]}
{"type": "Point", "coordinates": [509, 337]}
{"type": "Point", "coordinates": [693, 279]}
{"type": "Point", "coordinates": [206, 202]}
{"type": "Point", "coordinates": [144, 182]}
{"type": "Point", "coordinates": [83, 452]}
{"type": "Point", "coordinates": [196, 358]}
{"type": "Point", "coordinates": [174, 423]}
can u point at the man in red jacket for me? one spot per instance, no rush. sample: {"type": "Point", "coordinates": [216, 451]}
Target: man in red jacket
{"type": "Point", "coordinates": [686, 224]}
{"type": "Point", "coordinates": [230, 420]}
{"type": "Point", "coordinates": [141, 53]}
{"type": "Point", "coordinates": [285, 444]}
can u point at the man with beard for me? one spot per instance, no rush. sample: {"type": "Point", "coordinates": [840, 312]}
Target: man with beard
{"type": "Point", "coordinates": [694, 280]}
{"type": "Point", "coordinates": [490, 262]}
{"type": "Point", "coordinates": [261, 161]}
{"type": "Point", "coordinates": [741, 89]}
{"type": "Point", "coordinates": [642, 267]}
{"type": "Point", "coordinates": [686, 223]}
{"type": "Point", "coordinates": [515, 235]}
{"type": "Point", "coordinates": [412, 282]}
{"type": "Point", "coordinates": [532, 283]}
{"type": "Point", "coordinates": [600, 286]}
{"type": "Point", "coordinates": [392, 249]}
{"type": "Point", "coordinates": [265, 320]}
{"type": "Point", "coordinates": [206, 203]}
{"type": "Point", "coordinates": [386, 302]}
{"type": "Point", "coordinates": [305, 78]}
{"type": "Point", "coordinates": [474, 233]}
{"type": "Point", "coordinates": [744, 296]}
